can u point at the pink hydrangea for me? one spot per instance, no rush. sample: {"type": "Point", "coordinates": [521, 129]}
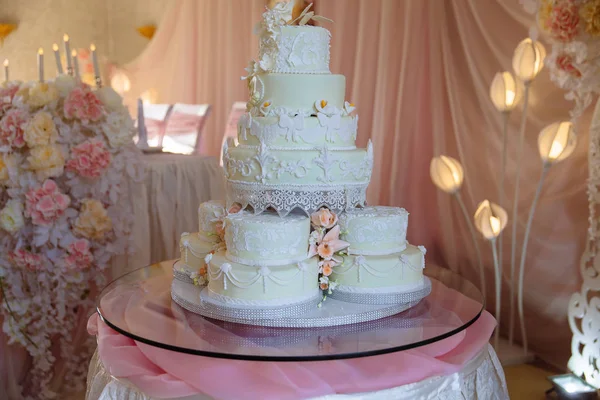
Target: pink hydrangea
{"type": "Point", "coordinates": [6, 96]}
{"type": "Point", "coordinates": [82, 104]}
{"type": "Point", "coordinates": [89, 159]}
{"type": "Point", "coordinates": [79, 255]}
{"type": "Point", "coordinates": [563, 21]}
{"type": "Point", "coordinates": [46, 204]}
{"type": "Point", "coordinates": [11, 128]}
{"type": "Point", "coordinates": [24, 259]}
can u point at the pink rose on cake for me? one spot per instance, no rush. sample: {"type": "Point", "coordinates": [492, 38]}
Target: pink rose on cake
{"type": "Point", "coordinates": [324, 218]}
{"type": "Point", "coordinates": [89, 159]}
{"type": "Point", "coordinates": [82, 104]}
{"type": "Point", "coordinates": [46, 204]}
{"type": "Point", "coordinates": [79, 255]}
{"type": "Point", "coordinates": [24, 259]}
{"type": "Point", "coordinates": [93, 221]}
{"type": "Point", "coordinates": [11, 128]}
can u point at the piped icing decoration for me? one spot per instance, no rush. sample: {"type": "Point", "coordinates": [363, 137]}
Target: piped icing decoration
{"type": "Point", "coordinates": [325, 243]}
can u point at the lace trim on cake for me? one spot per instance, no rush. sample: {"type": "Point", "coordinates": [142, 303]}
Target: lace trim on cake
{"type": "Point", "coordinates": [286, 198]}
{"type": "Point", "coordinates": [264, 263]}
{"type": "Point", "coordinates": [278, 302]}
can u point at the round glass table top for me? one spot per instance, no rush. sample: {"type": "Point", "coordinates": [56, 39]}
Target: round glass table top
{"type": "Point", "coordinates": [138, 305]}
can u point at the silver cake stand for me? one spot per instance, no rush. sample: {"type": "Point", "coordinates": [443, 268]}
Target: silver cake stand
{"type": "Point", "coordinates": [332, 312]}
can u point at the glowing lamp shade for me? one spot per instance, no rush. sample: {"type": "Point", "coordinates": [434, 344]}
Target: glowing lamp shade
{"type": "Point", "coordinates": [556, 142]}
{"type": "Point", "coordinates": [446, 173]}
{"type": "Point", "coordinates": [120, 82]}
{"type": "Point", "coordinates": [504, 92]}
{"type": "Point", "coordinates": [490, 219]}
{"type": "Point", "coordinates": [528, 59]}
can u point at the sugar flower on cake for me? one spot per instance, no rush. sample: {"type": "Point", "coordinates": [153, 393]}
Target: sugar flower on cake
{"type": "Point", "coordinates": [24, 259]}
{"type": "Point", "coordinates": [89, 159]}
{"type": "Point", "coordinates": [329, 116]}
{"type": "Point", "coordinates": [324, 218]}
{"type": "Point", "coordinates": [93, 221]}
{"type": "Point", "coordinates": [11, 128]}
{"type": "Point", "coordinates": [40, 130]}
{"type": "Point", "coordinates": [41, 94]}
{"type": "Point", "coordinates": [330, 245]}
{"type": "Point", "coordinates": [82, 104]}
{"type": "Point", "coordinates": [349, 107]}
{"type": "Point", "coordinates": [79, 256]}
{"type": "Point", "coordinates": [11, 216]}
{"type": "Point", "coordinates": [265, 107]}
{"type": "Point", "coordinates": [46, 161]}
{"type": "Point", "coordinates": [46, 204]}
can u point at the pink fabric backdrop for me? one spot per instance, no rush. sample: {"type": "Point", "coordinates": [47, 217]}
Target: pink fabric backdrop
{"type": "Point", "coordinates": [419, 72]}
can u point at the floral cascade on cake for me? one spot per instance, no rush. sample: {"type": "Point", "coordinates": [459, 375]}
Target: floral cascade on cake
{"type": "Point", "coordinates": [67, 158]}
{"type": "Point", "coordinates": [299, 232]}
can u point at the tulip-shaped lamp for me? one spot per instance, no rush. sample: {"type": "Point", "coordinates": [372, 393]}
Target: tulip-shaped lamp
{"type": "Point", "coordinates": [490, 220]}
{"type": "Point", "coordinates": [448, 175]}
{"type": "Point", "coordinates": [504, 93]}
{"type": "Point", "coordinates": [528, 61]}
{"type": "Point", "coordinates": [556, 142]}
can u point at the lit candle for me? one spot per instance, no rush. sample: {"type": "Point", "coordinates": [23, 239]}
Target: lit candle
{"type": "Point", "coordinates": [41, 64]}
{"type": "Point", "coordinates": [95, 62]}
{"type": "Point", "coordinates": [6, 70]}
{"type": "Point", "coordinates": [67, 52]}
{"type": "Point", "coordinates": [75, 63]}
{"type": "Point", "coordinates": [59, 68]}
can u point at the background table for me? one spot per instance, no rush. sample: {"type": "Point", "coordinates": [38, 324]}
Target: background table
{"type": "Point", "coordinates": [438, 349]}
{"type": "Point", "coordinates": [166, 205]}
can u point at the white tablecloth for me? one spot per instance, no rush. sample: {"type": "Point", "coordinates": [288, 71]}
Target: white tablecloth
{"type": "Point", "coordinates": [166, 204]}
{"type": "Point", "coordinates": [481, 378]}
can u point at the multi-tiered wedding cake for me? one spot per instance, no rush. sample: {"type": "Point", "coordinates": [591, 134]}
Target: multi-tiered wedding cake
{"type": "Point", "coordinates": [295, 229]}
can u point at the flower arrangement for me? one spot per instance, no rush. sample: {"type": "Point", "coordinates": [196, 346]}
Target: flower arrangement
{"type": "Point", "coordinates": [66, 159]}
{"type": "Point", "coordinates": [573, 29]}
{"type": "Point", "coordinates": [325, 243]}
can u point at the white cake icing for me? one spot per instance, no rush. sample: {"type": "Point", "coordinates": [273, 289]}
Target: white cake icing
{"type": "Point", "coordinates": [298, 132]}
{"type": "Point", "coordinates": [375, 230]}
{"type": "Point", "coordinates": [296, 49]}
{"type": "Point", "coordinates": [193, 248]}
{"type": "Point", "coordinates": [381, 274]}
{"type": "Point", "coordinates": [266, 239]}
{"type": "Point", "coordinates": [237, 284]}
{"type": "Point", "coordinates": [210, 213]}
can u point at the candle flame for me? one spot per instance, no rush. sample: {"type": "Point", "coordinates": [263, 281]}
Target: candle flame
{"type": "Point", "coordinates": [74, 53]}
{"type": "Point", "coordinates": [40, 51]}
{"type": "Point", "coordinates": [65, 37]}
{"type": "Point", "coordinates": [55, 47]}
{"type": "Point", "coordinates": [495, 225]}
{"type": "Point", "coordinates": [92, 47]}
{"type": "Point", "coordinates": [6, 62]}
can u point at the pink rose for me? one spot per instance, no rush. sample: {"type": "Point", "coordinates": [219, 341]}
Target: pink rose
{"type": "Point", "coordinates": [89, 159]}
{"type": "Point", "coordinates": [79, 256]}
{"type": "Point", "coordinates": [11, 128]}
{"type": "Point", "coordinates": [563, 21]}
{"type": "Point", "coordinates": [82, 103]}
{"type": "Point", "coordinates": [46, 204]}
{"type": "Point", "coordinates": [324, 218]}
{"type": "Point", "coordinates": [24, 259]}
{"type": "Point", "coordinates": [564, 62]}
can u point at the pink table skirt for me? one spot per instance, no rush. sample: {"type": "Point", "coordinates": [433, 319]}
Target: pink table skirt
{"type": "Point", "coordinates": [167, 374]}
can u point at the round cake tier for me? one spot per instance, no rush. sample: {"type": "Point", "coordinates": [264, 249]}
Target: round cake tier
{"type": "Point", "coordinates": [375, 230]}
{"type": "Point", "coordinates": [381, 274]}
{"type": "Point", "coordinates": [298, 132]}
{"type": "Point", "coordinates": [296, 49]}
{"type": "Point", "coordinates": [234, 284]}
{"type": "Point", "coordinates": [298, 94]}
{"type": "Point", "coordinates": [194, 247]}
{"type": "Point", "coordinates": [266, 239]}
{"type": "Point", "coordinates": [210, 213]}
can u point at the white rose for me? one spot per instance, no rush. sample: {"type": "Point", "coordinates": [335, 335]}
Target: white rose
{"type": "Point", "coordinates": [11, 216]}
{"type": "Point", "coordinates": [47, 161]}
{"type": "Point", "coordinates": [40, 130]}
{"type": "Point", "coordinates": [111, 99]}
{"type": "Point", "coordinates": [118, 128]}
{"type": "Point", "coordinates": [64, 84]}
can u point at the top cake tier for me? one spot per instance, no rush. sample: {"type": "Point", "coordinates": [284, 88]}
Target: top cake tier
{"type": "Point", "coordinates": [295, 49]}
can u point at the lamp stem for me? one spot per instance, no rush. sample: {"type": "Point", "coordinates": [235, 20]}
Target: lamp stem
{"type": "Point", "coordinates": [498, 287]}
{"type": "Point", "coordinates": [475, 243]}
{"type": "Point", "coordinates": [502, 202]}
{"type": "Point", "coordinates": [524, 253]}
{"type": "Point", "coordinates": [515, 213]}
